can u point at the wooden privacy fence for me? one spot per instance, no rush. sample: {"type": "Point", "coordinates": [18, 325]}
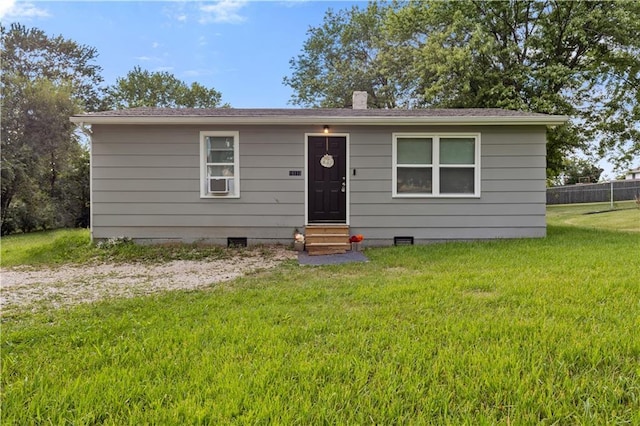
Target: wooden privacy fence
{"type": "Point", "coordinates": [594, 192]}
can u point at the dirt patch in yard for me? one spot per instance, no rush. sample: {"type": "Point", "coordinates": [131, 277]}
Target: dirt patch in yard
{"type": "Point", "coordinates": [30, 288]}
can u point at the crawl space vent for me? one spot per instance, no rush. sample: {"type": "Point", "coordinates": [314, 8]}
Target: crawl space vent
{"type": "Point", "coordinates": [402, 241]}
{"type": "Point", "coordinates": [237, 242]}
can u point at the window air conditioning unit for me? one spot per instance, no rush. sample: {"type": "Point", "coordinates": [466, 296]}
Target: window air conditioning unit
{"type": "Point", "coordinates": [219, 186]}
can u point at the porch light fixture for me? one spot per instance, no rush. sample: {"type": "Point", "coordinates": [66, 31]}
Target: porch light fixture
{"type": "Point", "coordinates": [325, 129]}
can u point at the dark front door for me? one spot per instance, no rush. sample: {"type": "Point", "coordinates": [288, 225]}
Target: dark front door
{"type": "Point", "coordinates": [327, 179]}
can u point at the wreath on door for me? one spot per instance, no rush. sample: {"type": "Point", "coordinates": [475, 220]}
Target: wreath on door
{"type": "Point", "coordinates": [327, 160]}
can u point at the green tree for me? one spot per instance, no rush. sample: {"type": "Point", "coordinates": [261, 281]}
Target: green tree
{"type": "Point", "coordinates": [36, 151]}
{"type": "Point", "coordinates": [579, 170]}
{"type": "Point", "coordinates": [141, 88]}
{"type": "Point", "coordinates": [342, 56]}
{"type": "Point", "coordinates": [33, 55]}
{"type": "Point", "coordinates": [73, 191]}
{"type": "Point", "coordinates": [44, 81]}
{"type": "Point", "coordinates": [576, 58]}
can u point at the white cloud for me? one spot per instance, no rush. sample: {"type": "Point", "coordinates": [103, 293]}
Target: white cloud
{"type": "Point", "coordinates": [223, 11]}
{"type": "Point", "coordinates": [175, 10]}
{"type": "Point", "coordinates": [5, 6]}
{"type": "Point", "coordinates": [21, 10]}
{"type": "Point", "coordinates": [163, 69]}
{"type": "Point", "coordinates": [155, 45]}
{"type": "Point", "coordinates": [292, 3]}
{"type": "Point", "coordinates": [145, 58]}
{"type": "Point", "coordinates": [197, 72]}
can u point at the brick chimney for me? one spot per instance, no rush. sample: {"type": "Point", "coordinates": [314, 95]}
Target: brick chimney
{"type": "Point", "coordinates": [360, 100]}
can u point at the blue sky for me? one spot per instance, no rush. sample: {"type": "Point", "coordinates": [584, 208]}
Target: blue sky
{"type": "Point", "coordinates": [240, 48]}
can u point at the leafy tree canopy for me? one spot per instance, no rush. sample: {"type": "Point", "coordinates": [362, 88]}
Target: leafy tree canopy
{"type": "Point", "coordinates": [342, 56]}
{"type": "Point", "coordinates": [579, 58]}
{"type": "Point", "coordinates": [579, 170]}
{"type": "Point", "coordinates": [38, 148]}
{"type": "Point", "coordinates": [31, 54]}
{"type": "Point", "coordinates": [141, 88]}
{"type": "Point", "coordinates": [44, 81]}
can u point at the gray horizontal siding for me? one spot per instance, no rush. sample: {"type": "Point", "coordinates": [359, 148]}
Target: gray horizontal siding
{"type": "Point", "coordinates": [272, 149]}
{"type": "Point", "coordinates": [488, 174]}
{"type": "Point", "coordinates": [284, 162]}
{"type": "Point", "coordinates": [156, 149]}
{"type": "Point", "coordinates": [193, 185]}
{"type": "Point", "coordinates": [499, 161]}
{"type": "Point", "coordinates": [522, 149]}
{"type": "Point", "coordinates": [293, 197]}
{"type": "Point", "coordinates": [383, 186]}
{"type": "Point", "coordinates": [212, 234]}
{"type": "Point", "coordinates": [462, 221]}
{"type": "Point", "coordinates": [210, 220]}
{"type": "Point", "coordinates": [512, 202]}
{"type": "Point", "coordinates": [181, 197]}
{"type": "Point", "coordinates": [142, 173]}
{"type": "Point", "coordinates": [198, 209]}
{"type": "Point", "coordinates": [146, 185]}
{"type": "Point", "coordinates": [425, 210]}
{"type": "Point", "coordinates": [510, 173]}
{"type": "Point", "coordinates": [136, 161]}
{"type": "Point", "coordinates": [468, 211]}
{"type": "Point", "coordinates": [519, 197]}
{"type": "Point", "coordinates": [444, 233]}
{"type": "Point", "coordinates": [385, 236]}
{"type": "Point", "coordinates": [450, 233]}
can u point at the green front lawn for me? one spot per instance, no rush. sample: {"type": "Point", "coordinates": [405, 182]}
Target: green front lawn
{"type": "Point", "coordinates": [74, 246]}
{"type": "Point", "coordinates": [500, 332]}
{"type": "Point", "coordinates": [47, 247]}
{"type": "Point", "coordinates": [625, 216]}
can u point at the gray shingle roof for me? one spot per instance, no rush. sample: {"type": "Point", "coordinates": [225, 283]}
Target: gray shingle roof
{"type": "Point", "coordinates": [311, 112]}
{"type": "Point", "coordinates": [318, 116]}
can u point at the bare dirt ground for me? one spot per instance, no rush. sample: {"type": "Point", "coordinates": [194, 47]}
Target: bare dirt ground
{"type": "Point", "coordinates": [30, 288]}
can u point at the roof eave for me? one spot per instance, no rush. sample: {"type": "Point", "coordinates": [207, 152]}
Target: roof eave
{"type": "Point", "coordinates": [550, 120]}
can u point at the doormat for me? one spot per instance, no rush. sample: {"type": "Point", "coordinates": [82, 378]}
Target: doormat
{"type": "Point", "coordinates": [332, 259]}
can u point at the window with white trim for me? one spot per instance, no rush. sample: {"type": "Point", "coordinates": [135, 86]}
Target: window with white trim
{"type": "Point", "coordinates": [436, 165]}
{"type": "Point", "coordinates": [219, 165]}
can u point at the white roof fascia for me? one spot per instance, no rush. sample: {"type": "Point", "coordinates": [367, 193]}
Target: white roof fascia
{"type": "Point", "coordinates": [549, 120]}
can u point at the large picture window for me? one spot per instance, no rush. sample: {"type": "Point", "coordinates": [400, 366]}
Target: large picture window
{"type": "Point", "coordinates": [219, 165]}
{"type": "Point", "coordinates": [436, 165]}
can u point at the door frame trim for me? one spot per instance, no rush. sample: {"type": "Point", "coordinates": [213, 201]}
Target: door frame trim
{"type": "Point", "coordinates": [306, 174]}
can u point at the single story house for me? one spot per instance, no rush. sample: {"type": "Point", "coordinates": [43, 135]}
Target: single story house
{"type": "Point", "coordinates": [258, 175]}
{"type": "Point", "coordinates": [633, 174]}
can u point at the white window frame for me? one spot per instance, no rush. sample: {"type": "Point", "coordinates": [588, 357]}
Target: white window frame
{"type": "Point", "coordinates": [436, 166]}
{"type": "Point", "coordinates": [204, 181]}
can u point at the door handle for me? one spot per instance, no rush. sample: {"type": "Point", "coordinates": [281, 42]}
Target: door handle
{"type": "Point", "coordinates": [344, 187]}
